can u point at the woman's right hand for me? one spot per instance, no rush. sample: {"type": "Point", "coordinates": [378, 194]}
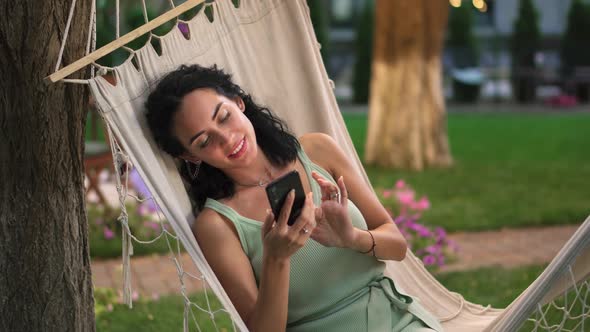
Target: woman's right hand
{"type": "Point", "coordinates": [281, 240]}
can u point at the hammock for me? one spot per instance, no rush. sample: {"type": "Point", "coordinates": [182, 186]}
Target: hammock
{"type": "Point", "coordinates": [270, 48]}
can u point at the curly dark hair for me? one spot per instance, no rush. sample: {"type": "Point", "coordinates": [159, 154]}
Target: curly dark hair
{"type": "Point", "coordinates": [272, 134]}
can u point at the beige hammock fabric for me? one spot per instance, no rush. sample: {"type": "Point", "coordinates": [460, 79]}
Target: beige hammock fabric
{"type": "Point", "coordinates": [270, 48]}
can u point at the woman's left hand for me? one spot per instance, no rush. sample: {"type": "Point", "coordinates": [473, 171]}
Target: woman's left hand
{"type": "Point", "coordinates": [334, 227]}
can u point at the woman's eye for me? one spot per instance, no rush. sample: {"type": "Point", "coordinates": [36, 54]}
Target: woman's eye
{"type": "Point", "coordinates": [225, 116]}
{"type": "Point", "coordinates": [204, 143]}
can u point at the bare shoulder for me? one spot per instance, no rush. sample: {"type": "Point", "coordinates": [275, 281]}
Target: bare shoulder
{"type": "Point", "coordinates": [323, 150]}
{"type": "Point", "coordinates": [316, 141]}
{"type": "Point", "coordinates": [209, 225]}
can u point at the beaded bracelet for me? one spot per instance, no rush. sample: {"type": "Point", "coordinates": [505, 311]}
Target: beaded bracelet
{"type": "Point", "coordinates": [373, 246]}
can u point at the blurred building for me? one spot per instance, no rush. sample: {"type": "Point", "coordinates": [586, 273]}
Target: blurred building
{"type": "Point", "coordinates": [493, 26]}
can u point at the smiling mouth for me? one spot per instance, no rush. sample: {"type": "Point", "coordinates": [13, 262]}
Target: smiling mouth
{"type": "Point", "coordinates": [238, 148]}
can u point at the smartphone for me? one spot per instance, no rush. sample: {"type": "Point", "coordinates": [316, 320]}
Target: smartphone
{"type": "Point", "coordinates": [278, 190]}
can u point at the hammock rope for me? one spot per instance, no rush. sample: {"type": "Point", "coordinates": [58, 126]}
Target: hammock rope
{"type": "Point", "coordinates": [121, 161]}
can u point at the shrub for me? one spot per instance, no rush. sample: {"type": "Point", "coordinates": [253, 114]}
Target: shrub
{"type": "Point", "coordinates": [526, 36]}
{"type": "Point", "coordinates": [524, 44]}
{"type": "Point", "coordinates": [575, 50]}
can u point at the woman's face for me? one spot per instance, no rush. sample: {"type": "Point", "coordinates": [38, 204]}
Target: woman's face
{"type": "Point", "coordinates": [213, 128]}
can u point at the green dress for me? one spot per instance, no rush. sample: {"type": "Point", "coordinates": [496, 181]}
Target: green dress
{"type": "Point", "coordinates": [334, 289]}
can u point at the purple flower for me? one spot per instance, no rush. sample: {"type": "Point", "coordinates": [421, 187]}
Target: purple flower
{"type": "Point", "coordinates": [441, 260]}
{"type": "Point", "coordinates": [420, 229]}
{"type": "Point", "coordinates": [108, 234]}
{"type": "Point", "coordinates": [433, 249]}
{"type": "Point", "coordinates": [429, 244]}
{"type": "Point", "coordinates": [440, 232]}
{"type": "Point", "coordinates": [429, 260]}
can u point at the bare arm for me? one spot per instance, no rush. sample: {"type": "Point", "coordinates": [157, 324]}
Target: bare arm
{"type": "Point", "coordinates": [390, 243]}
{"type": "Point", "coordinates": [263, 308]}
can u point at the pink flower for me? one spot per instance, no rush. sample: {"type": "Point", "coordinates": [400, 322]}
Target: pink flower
{"type": "Point", "coordinates": [405, 197]}
{"type": "Point", "coordinates": [142, 210]}
{"type": "Point", "coordinates": [109, 307]}
{"type": "Point", "coordinates": [155, 296]}
{"type": "Point", "coordinates": [152, 225]}
{"type": "Point", "coordinates": [387, 193]}
{"type": "Point", "coordinates": [108, 234]}
{"type": "Point", "coordinates": [400, 184]}
{"type": "Point", "coordinates": [422, 204]}
{"type": "Point", "coordinates": [135, 296]}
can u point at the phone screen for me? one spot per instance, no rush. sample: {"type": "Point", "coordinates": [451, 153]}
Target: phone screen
{"type": "Point", "coordinates": [278, 190]}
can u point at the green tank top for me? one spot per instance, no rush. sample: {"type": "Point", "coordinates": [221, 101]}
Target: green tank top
{"type": "Point", "coordinates": [332, 289]}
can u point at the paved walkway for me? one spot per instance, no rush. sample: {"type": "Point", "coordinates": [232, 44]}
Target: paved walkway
{"type": "Point", "coordinates": [507, 248]}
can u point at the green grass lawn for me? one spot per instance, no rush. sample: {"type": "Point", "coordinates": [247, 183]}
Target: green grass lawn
{"type": "Point", "coordinates": [511, 170]}
{"type": "Point", "coordinates": [165, 314]}
{"type": "Point", "coordinates": [495, 286]}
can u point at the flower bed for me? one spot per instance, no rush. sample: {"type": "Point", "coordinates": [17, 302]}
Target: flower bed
{"type": "Point", "coordinates": [430, 244]}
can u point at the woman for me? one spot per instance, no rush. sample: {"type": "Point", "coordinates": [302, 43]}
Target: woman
{"type": "Point", "coordinates": [320, 274]}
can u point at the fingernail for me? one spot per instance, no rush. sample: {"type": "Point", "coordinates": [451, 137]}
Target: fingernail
{"type": "Point", "coordinates": [292, 192]}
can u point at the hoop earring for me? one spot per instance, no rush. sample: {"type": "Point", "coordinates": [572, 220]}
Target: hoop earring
{"type": "Point", "coordinates": [193, 173]}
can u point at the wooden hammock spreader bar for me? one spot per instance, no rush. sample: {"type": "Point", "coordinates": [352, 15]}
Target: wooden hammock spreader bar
{"type": "Point", "coordinates": [115, 44]}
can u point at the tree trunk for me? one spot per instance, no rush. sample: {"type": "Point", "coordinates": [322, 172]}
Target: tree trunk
{"type": "Point", "coordinates": [45, 279]}
{"type": "Point", "coordinates": [407, 122]}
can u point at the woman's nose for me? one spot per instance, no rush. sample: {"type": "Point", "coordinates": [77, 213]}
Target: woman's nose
{"type": "Point", "coordinates": [225, 137]}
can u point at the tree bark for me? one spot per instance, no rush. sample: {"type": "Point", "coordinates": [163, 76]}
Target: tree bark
{"type": "Point", "coordinates": [407, 121]}
{"type": "Point", "coordinates": [45, 279]}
